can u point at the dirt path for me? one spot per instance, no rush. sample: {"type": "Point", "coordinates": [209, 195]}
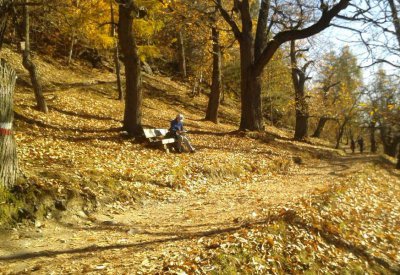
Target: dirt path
{"type": "Point", "coordinates": [130, 239]}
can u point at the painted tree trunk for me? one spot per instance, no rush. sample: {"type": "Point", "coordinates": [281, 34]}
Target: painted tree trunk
{"type": "Point", "coordinates": [181, 55]}
{"type": "Point", "coordinates": [216, 84]}
{"type": "Point", "coordinates": [30, 66]}
{"type": "Point", "coordinates": [321, 124]}
{"type": "Point", "coordinates": [8, 153]}
{"type": "Point", "coordinates": [133, 94]}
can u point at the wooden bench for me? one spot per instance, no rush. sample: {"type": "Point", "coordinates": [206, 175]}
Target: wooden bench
{"type": "Point", "coordinates": [157, 136]}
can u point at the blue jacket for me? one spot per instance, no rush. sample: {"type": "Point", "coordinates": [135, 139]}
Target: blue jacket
{"type": "Point", "coordinates": [176, 126]}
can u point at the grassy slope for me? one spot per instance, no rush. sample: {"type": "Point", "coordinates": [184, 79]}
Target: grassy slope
{"type": "Point", "coordinates": [76, 155]}
{"type": "Point", "coordinates": [77, 149]}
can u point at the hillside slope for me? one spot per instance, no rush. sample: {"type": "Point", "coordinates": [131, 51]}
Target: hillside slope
{"type": "Point", "coordinates": [107, 203]}
{"type": "Point", "coordinates": [78, 146]}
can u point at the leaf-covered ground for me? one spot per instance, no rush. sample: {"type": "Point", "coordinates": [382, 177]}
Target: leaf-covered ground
{"type": "Point", "coordinates": [243, 203]}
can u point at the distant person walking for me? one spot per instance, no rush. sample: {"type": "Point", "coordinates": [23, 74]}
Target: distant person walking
{"type": "Point", "coordinates": [178, 132]}
{"type": "Point", "coordinates": [352, 145]}
{"type": "Point", "coordinates": [360, 142]}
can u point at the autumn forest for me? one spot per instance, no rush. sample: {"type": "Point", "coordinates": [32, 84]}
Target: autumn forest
{"type": "Point", "coordinates": [199, 137]}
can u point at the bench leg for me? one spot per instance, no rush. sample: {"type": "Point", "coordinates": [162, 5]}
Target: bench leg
{"type": "Point", "coordinates": [166, 148]}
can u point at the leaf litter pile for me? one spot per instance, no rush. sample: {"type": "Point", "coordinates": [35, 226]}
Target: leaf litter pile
{"type": "Point", "coordinates": [352, 228]}
{"type": "Point", "coordinates": [273, 205]}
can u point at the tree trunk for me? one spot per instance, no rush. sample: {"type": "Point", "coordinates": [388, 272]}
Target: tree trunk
{"type": "Point", "coordinates": [4, 10]}
{"type": "Point", "coordinates": [395, 18]}
{"type": "Point", "coordinates": [118, 72]}
{"type": "Point", "coordinates": [195, 88]}
{"type": "Point", "coordinates": [133, 95]}
{"type": "Point", "coordinates": [181, 55]}
{"type": "Point", "coordinates": [390, 149]}
{"type": "Point", "coordinates": [300, 132]}
{"type": "Point", "coordinates": [250, 81]}
{"type": "Point", "coordinates": [3, 27]}
{"type": "Point", "coordinates": [321, 124]}
{"type": "Point", "coordinates": [389, 141]}
{"type": "Point", "coordinates": [251, 118]}
{"type": "Point", "coordinates": [372, 139]}
{"type": "Point", "coordinates": [71, 48]}
{"type": "Point", "coordinates": [215, 94]}
{"type": "Point", "coordinates": [253, 66]}
{"type": "Point", "coordinates": [8, 153]}
{"type": "Point", "coordinates": [299, 78]}
{"type": "Point", "coordinates": [398, 159]}
{"type": "Point", "coordinates": [250, 88]}
{"type": "Point", "coordinates": [30, 66]}
{"type": "Point", "coordinates": [116, 54]}
{"type": "Point", "coordinates": [340, 134]}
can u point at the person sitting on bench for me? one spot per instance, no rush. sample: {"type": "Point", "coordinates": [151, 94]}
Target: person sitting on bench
{"type": "Point", "coordinates": [178, 132]}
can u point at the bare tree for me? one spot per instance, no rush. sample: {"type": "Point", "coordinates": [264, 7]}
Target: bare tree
{"type": "Point", "coordinates": [376, 26]}
{"type": "Point", "coordinates": [256, 51]}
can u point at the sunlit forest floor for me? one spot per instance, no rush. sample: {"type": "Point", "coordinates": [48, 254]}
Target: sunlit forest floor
{"type": "Point", "coordinates": [248, 203]}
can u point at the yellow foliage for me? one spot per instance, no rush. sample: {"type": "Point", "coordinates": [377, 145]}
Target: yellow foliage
{"type": "Point", "coordinates": [146, 52]}
{"type": "Point", "coordinates": [146, 29]}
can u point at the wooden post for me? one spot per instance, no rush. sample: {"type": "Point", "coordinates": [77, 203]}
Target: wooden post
{"type": "Point", "coordinates": [8, 153]}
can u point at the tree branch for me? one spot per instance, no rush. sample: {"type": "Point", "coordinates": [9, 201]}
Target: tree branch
{"type": "Point", "coordinates": [262, 30]}
{"type": "Point", "coordinates": [284, 36]}
{"type": "Point", "coordinates": [379, 61]}
{"type": "Point", "coordinates": [229, 20]}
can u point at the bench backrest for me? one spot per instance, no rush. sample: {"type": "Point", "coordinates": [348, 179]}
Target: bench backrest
{"type": "Point", "coordinates": [150, 133]}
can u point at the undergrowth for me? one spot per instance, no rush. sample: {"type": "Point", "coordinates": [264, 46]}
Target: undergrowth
{"type": "Point", "coordinates": [10, 203]}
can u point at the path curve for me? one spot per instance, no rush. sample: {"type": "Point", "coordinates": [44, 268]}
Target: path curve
{"type": "Point", "coordinates": [128, 238]}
